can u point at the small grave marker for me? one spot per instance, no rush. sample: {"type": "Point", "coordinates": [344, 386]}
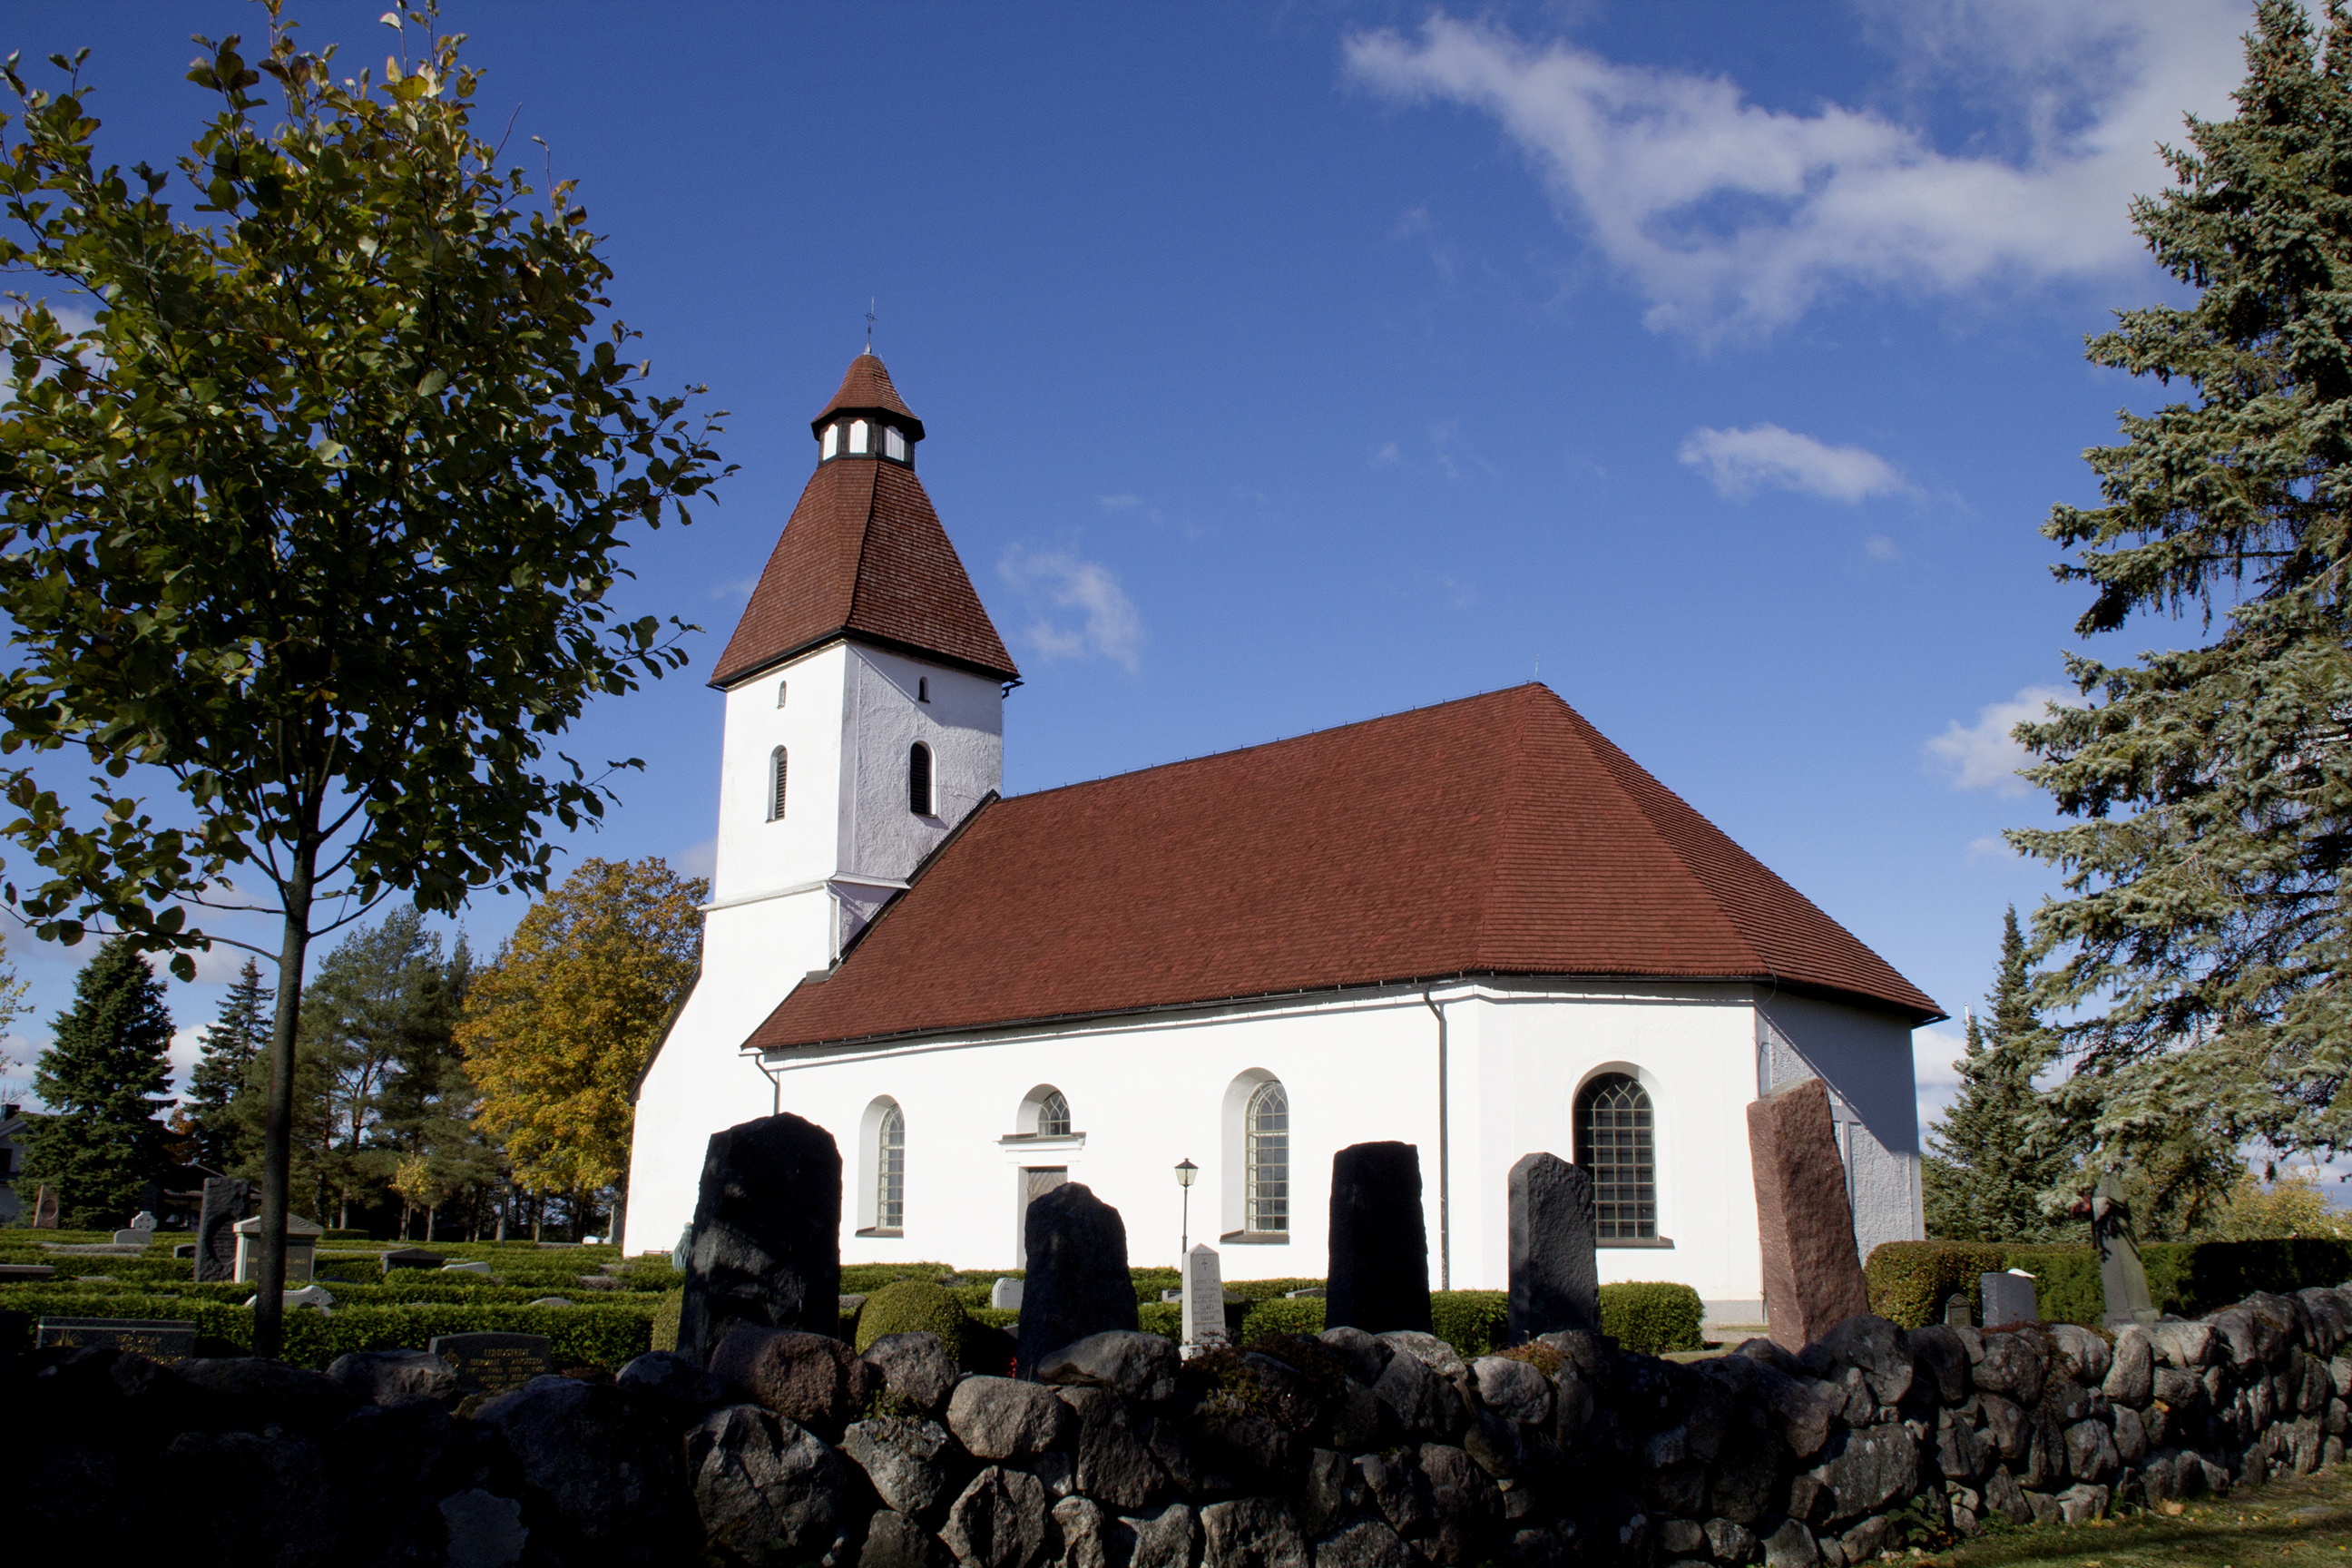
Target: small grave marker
{"type": "Point", "coordinates": [1004, 1296]}
{"type": "Point", "coordinates": [153, 1337]}
{"type": "Point", "coordinates": [140, 1232]}
{"type": "Point", "coordinates": [1204, 1297]}
{"type": "Point", "coordinates": [27, 1271]}
{"type": "Point", "coordinates": [412, 1257]}
{"type": "Point", "coordinates": [2010, 1299]}
{"type": "Point", "coordinates": [495, 1363]}
{"type": "Point", "coordinates": [44, 1208]}
{"type": "Point", "coordinates": [301, 1249]}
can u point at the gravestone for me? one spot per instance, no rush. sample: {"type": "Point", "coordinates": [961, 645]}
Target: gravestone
{"type": "Point", "coordinates": [679, 1254]}
{"type": "Point", "coordinates": [228, 1199]}
{"type": "Point", "coordinates": [1004, 1296]}
{"type": "Point", "coordinates": [44, 1208]}
{"type": "Point", "coordinates": [1078, 1283]}
{"type": "Point", "coordinates": [2009, 1299]}
{"type": "Point", "coordinates": [153, 1337]}
{"type": "Point", "coordinates": [2122, 1280]}
{"type": "Point", "coordinates": [1204, 1297]}
{"type": "Point", "coordinates": [1555, 1278]}
{"type": "Point", "coordinates": [1812, 1277]}
{"type": "Point", "coordinates": [27, 1271]}
{"type": "Point", "coordinates": [411, 1258]}
{"type": "Point", "coordinates": [1379, 1269]}
{"type": "Point", "coordinates": [495, 1363]}
{"type": "Point", "coordinates": [1956, 1312]}
{"type": "Point", "coordinates": [767, 1234]}
{"type": "Point", "coordinates": [301, 1249]}
{"type": "Point", "coordinates": [141, 1231]}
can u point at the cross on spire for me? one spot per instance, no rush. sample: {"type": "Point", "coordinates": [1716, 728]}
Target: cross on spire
{"type": "Point", "coordinates": [869, 324]}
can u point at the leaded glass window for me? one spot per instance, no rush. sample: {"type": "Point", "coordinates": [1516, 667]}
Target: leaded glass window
{"type": "Point", "coordinates": [1615, 1141]}
{"type": "Point", "coordinates": [1266, 1170]}
{"type": "Point", "coordinates": [1053, 1115]}
{"type": "Point", "coordinates": [890, 1170]}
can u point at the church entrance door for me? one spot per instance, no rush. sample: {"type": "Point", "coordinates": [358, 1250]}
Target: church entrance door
{"type": "Point", "coordinates": [1036, 1181]}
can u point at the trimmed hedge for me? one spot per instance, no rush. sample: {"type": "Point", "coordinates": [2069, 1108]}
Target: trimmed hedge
{"type": "Point", "coordinates": [1273, 1316]}
{"type": "Point", "coordinates": [1653, 1316]}
{"type": "Point", "coordinates": [911, 1306]}
{"type": "Point", "coordinates": [1474, 1323]}
{"type": "Point", "coordinates": [1910, 1281]}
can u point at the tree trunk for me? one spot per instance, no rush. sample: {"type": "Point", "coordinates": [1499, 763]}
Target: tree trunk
{"type": "Point", "coordinates": [277, 1120]}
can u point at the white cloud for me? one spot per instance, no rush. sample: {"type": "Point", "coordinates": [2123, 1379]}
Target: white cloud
{"type": "Point", "coordinates": [1729, 217]}
{"type": "Point", "coordinates": [1936, 1081]}
{"type": "Point", "coordinates": [1878, 547]}
{"type": "Point", "coordinates": [185, 1044]}
{"type": "Point", "coordinates": [1107, 624]}
{"type": "Point", "coordinates": [735, 588]}
{"type": "Point", "coordinates": [1740, 462]}
{"type": "Point", "coordinates": [1992, 846]}
{"type": "Point", "coordinates": [1984, 755]}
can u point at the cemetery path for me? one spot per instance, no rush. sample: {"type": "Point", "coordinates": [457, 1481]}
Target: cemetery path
{"type": "Point", "coordinates": [2298, 1523]}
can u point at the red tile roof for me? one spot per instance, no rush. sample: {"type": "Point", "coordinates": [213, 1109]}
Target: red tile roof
{"type": "Point", "coordinates": [1499, 835]}
{"type": "Point", "coordinates": [866, 389]}
{"type": "Point", "coordinates": [863, 555]}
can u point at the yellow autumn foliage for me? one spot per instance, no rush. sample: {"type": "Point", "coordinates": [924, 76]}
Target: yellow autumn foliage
{"type": "Point", "coordinates": [558, 1028]}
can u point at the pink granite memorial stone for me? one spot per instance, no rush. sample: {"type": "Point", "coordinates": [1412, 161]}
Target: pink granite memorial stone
{"type": "Point", "coordinates": [1812, 1277]}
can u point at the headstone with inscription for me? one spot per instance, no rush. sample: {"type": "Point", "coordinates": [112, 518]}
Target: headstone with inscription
{"type": "Point", "coordinates": [494, 1363]}
{"type": "Point", "coordinates": [301, 1249]}
{"type": "Point", "coordinates": [228, 1199]}
{"type": "Point", "coordinates": [2122, 1278]}
{"type": "Point", "coordinates": [44, 1208]}
{"type": "Point", "coordinates": [1379, 1272]}
{"type": "Point", "coordinates": [156, 1339]}
{"type": "Point", "coordinates": [140, 1232]}
{"type": "Point", "coordinates": [1004, 1296]}
{"type": "Point", "coordinates": [1812, 1275]}
{"type": "Point", "coordinates": [2009, 1299]}
{"type": "Point", "coordinates": [1555, 1278]}
{"type": "Point", "coordinates": [1204, 1297]}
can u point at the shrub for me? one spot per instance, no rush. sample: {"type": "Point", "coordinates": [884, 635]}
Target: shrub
{"type": "Point", "coordinates": [1654, 1317]}
{"type": "Point", "coordinates": [865, 1278]}
{"type": "Point", "coordinates": [1264, 1290]}
{"type": "Point", "coordinates": [1165, 1318]}
{"type": "Point", "coordinates": [912, 1306]}
{"type": "Point", "coordinates": [1911, 1280]}
{"type": "Point", "coordinates": [1474, 1323]}
{"type": "Point", "coordinates": [665, 1320]}
{"type": "Point", "coordinates": [1265, 1318]}
{"type": "Point", "coordinates": [993, 1317]}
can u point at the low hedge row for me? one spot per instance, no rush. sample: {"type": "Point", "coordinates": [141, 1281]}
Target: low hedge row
{"type": "Point", "coordinates": [1653, 1316]}
{"type": "Point", "coordinates": [1911, 1281]}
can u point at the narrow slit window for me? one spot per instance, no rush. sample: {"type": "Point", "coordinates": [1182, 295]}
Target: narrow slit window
{"type": "Point", "coordinates": [1616, 1138]}
{"type": "Point", "coordinates": [1053, 1115]}
{"type": "Point", "coordinates": [891, 1171]}
{"type": "Point", "coordinates": [832, 440]}
{"type": "Point", "coordinates": [780, 686]}
{"type": "Point", "coordinates": [919, 779]}
{"type": "Point", "coordinates": [922, 688]}
{"type": "Point", "coordinates": [1265, 1162]}
{"type": "Point", "coordinates": [776, 786]}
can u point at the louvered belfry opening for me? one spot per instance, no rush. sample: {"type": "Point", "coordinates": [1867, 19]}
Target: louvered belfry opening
{"type": "Point", "coordinates": [919, 779]}
{"type": "Point", "coordinates": [776, 786]}
{"type": "Point", "coordinates": [1616, 1141]}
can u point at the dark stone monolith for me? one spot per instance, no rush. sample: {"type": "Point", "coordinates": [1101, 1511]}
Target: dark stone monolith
{"type": "Point", "coordinates": [1379, 1249]}
{"type": "Point", "coordinates": [1555, 1278]}
{"type": "Point", "coordinates": [1812, 1275]}
{"type": "Point", "coordinates": [228, 1199]}
{"type": "Point", "coordinates": [1078, 1283]}
{"type": "Point", "coordinates": [2122, 1280]}
{"type": "Point", "coordinates": [767, 1234]}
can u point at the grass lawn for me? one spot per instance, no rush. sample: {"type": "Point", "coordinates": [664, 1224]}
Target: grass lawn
{"type": "Point", "coordinates": [2301, 1521]}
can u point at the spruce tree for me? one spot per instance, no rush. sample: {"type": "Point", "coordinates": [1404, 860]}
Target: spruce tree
{"type": "Point", "coordinates": [1989, 1160]}
{"type": "Point", "coordinates": [224, 1060]}
{"type": "Point", "coordinates": [102, 1079]}
{"type": "Point", "coordinates": [2203, 925]}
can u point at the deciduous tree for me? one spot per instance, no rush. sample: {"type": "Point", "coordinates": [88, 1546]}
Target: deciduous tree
{"type": "Point", "coordinates": [102, 1079]}
{"type": "Point", "coordinates": [307, 547]}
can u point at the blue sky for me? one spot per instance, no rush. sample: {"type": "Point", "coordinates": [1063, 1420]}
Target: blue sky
{"type": "Point", "coordinates": [1289, 365]}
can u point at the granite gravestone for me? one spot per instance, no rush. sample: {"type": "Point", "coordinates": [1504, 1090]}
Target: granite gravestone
{"type": "Point", "coordinates": [494, 1363]}
{"type": "Point", "coordinates": [2122, 1280]}
{"type": "Point", "coordinates": [1004, 1296]}
{"type": "Point", "coordinates": [44, 1208]}
{"type": "Point", "coordinates": [1555, 1278]}
{"type": "Point", "coordinates": [767, 1234]}
{"type": "Point", "coordinates": [1203, 1296]}
{"type": "Point", "coordinates": [301, 1249]}
{"type": "Point", "coordinates": [156, 1339]}
{"type": "Point", "coordinates": [140, 1232]}
{"type": "Point", "coordinates": [2009, 1299]}
{"type": "Point", "coordinates": [411, 1258]}
{"type": "Point", "coordinates": [23, 1271]}
{"type": "Point", "coordinates": [1812, 1275]}
{"type": "Point", "coordinates": [228, 1199]}
{"type": "Point", "coordinates": [1379, 1269]}
{"type": "Point", "coordinates": [1078, 1283]}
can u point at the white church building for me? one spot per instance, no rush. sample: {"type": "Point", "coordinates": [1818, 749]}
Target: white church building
{"type": "Point", "coordinates": [1479, 928]}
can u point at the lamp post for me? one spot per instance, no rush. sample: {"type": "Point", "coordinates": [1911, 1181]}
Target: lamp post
{"type": "Point", "coordinates": [1185, 1171]}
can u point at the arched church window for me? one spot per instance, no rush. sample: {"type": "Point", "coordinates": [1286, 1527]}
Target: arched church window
{"type": "Point", "coordinates": [858, 430]}
{"type": "Point", "coordinates": [1053, 1115]}
{"type": "Point", "coordinates": [1265, 1161]}
{"type": "Point", "coordinates": [1616, 1142]}
{"type": "Point", "coordinates": [832, 440]}
{"type": "Point", "coordinates": [890, 1170]}
{"type": "Point", "coordinates": [776, 786]}
{"type": "Point", "coordinates": [919, 779]}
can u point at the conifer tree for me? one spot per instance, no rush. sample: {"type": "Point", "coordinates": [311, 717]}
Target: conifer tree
{"type": "Point", "coordinates": [2203, 929]}
{"type": "Point", "coordinates": [231, 1044]}
{"type": "Point", "coordinates": [1988, 1163]}
{"type": "Point", "coordinates": [102, 1079]}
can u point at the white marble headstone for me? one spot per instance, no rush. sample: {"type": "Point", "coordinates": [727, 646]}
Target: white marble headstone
{"type": "Point", "coordinates": [1204, 1298]}
{"type": "Point", "coordinates": [1005, 1295]}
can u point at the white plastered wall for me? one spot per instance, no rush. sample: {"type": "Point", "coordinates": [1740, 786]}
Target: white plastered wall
{"type": "Point", "coordinates": [1865, 1058]}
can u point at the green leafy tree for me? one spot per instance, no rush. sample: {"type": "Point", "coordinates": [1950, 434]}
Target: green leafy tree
{"type": "Point", "coordinates": [231, 1045]}
{"type": "Point", "coordinates": [308, 547]}
{"type": "Point", "coordinates": [1990, 1163]}
{"type": "Point", "coordinates": [2198, 947]}
{"type": "Point", "coordinates": [102, 1079]}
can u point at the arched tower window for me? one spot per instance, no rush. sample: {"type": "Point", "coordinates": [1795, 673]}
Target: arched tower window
{"type": "Point", "coordinates": [776, 784]}
{"type": "Point", "coordinates": [1053, 1115]}
{"type": "Point", "coordinates": [890, 1170]}
{"type": "Point", "coordinates": [919, 779]}
{"type": "Point", "coordinates": [781, 687]}
{"type": "Point", "coordinates": [1265, 1161]}
{"type": "Point", "coordinates": [1616, 1141]}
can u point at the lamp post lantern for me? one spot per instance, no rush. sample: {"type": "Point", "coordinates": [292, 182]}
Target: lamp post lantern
{"type": "Point", "coordinates": [1185, 1171]}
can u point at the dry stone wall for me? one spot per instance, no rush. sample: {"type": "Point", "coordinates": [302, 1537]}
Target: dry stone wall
{"type": "Point", "coordinates": [1346, 1450]}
